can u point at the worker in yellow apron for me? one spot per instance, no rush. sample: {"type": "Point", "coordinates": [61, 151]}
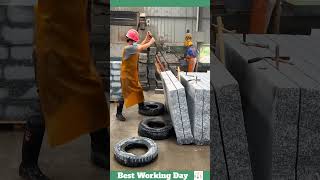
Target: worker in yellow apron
{"type": "Point", "coordinates": [70, 90]}
{"type": "Point", "coordinates": [132, 92]}
{"type": "Point", "coordinates": [190, 53]}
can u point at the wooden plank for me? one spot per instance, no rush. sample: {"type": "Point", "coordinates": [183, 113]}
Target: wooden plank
{"type": "Point", "coordinates": [220, 41]}
{"type": "Point", "coordinates": [12, 122]}
{"type": "Point", "coordinates": [304, 2]}
{"type": "Point", "coordinates": [12, 125]}
{"type": "Point", "coordinates": [276, 18]}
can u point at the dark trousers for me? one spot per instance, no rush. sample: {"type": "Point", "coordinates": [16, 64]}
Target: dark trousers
{"type": "Point", "coordinates": [121, 103]}
{"type": "Point", "coordinates": [33, 138]}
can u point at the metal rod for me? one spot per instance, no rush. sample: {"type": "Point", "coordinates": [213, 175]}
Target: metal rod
{"type": "Point", "coordinates": [198, 19]}
{"type": "Point", "coordinates": [277, 57]}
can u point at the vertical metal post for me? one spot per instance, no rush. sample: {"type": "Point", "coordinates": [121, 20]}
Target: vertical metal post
{"type": "Point", "coordinates": [277, 57]}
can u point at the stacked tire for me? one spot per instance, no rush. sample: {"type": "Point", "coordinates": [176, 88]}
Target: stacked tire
{"type": "Point", "coordinates": [155, 128]}
{"type": "Point", "coordinates": [153, 109]}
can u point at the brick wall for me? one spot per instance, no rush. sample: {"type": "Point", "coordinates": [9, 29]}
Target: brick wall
{"type": "Point", "coordinates": [18, 95]}
{"type": "Point", "coordinates": [100, 42]}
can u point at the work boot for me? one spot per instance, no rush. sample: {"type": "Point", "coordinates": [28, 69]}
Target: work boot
{"type": "Point", "coordinates": [119, 115]}
{"type": "Point", "coordinates": [32, 142]}
{"type": "Point", "coordinates": [100, 151]}
{"type": "Point", "coordinates": [31, 173]}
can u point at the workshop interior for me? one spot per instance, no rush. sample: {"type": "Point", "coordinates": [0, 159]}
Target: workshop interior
{"type": "Point", "coordinates": [94, 91]}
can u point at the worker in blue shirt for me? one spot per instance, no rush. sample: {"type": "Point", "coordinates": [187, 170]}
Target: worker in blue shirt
{"type": "Point", "coordinates": [191, 52]}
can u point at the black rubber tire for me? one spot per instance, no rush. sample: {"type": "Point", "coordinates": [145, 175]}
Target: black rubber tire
{"type": "Point", "coordinates": [155, 128]}
{"type": "Point", "coordinates": [132, 160]}
{"type": "Point", "coordinates": [155, 109]}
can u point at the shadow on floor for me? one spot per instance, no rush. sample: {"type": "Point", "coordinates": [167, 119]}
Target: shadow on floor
{"type": "Point", "coordinates": [68, 162]}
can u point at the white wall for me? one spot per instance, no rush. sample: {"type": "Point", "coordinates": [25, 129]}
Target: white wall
{"type": "Point", "coordinates": [168, 23]}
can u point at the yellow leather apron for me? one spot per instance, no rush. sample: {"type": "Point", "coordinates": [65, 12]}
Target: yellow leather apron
{"type": "Point", "coordinates": [70, 90]}
{"type": "Point", "coordinates": [132, 91]}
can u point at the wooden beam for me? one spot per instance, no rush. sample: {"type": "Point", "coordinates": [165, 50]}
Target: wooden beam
{"type": "Point", "coordinates": [220, 41]}
{"type": "Point", "coordinates": [276, 17]}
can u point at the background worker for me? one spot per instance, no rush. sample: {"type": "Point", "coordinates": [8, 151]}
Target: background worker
{"type": "Point", "coordinates": [191, 52]}
{"type": "Point", "coordinates": [70, 90]}
{"type": "Point", "coordinates": [132, 92]}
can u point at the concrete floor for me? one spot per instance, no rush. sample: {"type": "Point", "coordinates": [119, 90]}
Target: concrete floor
{"type": "Point", "coordinates": [171, 156]}
{"type": "Point", "coordinates": [71, 161]}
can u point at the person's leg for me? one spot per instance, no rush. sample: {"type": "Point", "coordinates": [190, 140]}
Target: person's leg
{"type": "Point", "coordinates": [191, 64]}
{"type": "Point", "coordinates": [119, 114]}
{"type": "Point", "coordinates": [32, 142]}
{"type": "Point", "coordinates": [100, 148]}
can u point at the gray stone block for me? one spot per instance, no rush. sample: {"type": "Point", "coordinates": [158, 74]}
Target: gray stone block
{"type": "Point", "coordinates": [306, 74]}
{"type": "Point", "coordinates": [143, 79]}
{"type": "Point", "coordinates": [218, 169]}
{"type": "Point", "coordinates": [18, 112]}
{"type": "Point", "coordinates": [115, 84]}
{"type": "Point", "coordinates": [309, 133]}
{"type": "Point", "coordinates": [115, 97]}
{"type": "Point", "coordinates": [143, 56]}
{"type": "Point", "coordinates": [197, 92]}
{"type": "Point", "coordinates": [19, 2]}
{"type": "Point", "coordinates": [17, 35]}
{"type": "Point", "coordinates": [177, 106]}
{"type": "Point", "coordinates": [152, 75]}
{"type": "Point", "coordinates": [271, 106]}
{"type": "Point", "coordinates": [22, 90]}
{"type": "Point", "coordinates": [20, 14]}
{"type": "Point", "coordinates": [116, 78]}
{"type": "Point", "coordinates": [142, 68]}
{"type": "Point", "coordinates": [151, 59]}
{"type": "Point", "coordinates": [4, 53]}
{"type": "Point", "coordinates": [151, 67]}
{"type": "Point", "coordinates": [21, 52]}
{"type": "Point", "coordinates": [306, 60]}
{"type": "Point", "coordinates": [153, 51]}
{"type": "Point", "coordinates": [98, 38]}
{"type": "Point", "coordinates": [99, 29]}
{"type": "Point", "coordinates": [4, 93]}
{"type": "Point", "coordinates": [2, 13]}
{"type": "Point", "coordinates": [30, 93]}
{"type": "Point", "coordinates": [115, 65]}
{"type": "Point", "coordinates": [152, 82]}
{"type": "Point", "coordinates": [99, 51]}
{"type": "Point", "coordinates": [19, 72]}
{"type": "Point", "coordinates": [115, 72]}
{"type": "Point", "coordinates": [231, 119]}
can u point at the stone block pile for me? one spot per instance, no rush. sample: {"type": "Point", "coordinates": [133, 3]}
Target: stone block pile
{"type": "Point", "coordinates": [229, 146]}
{"type": "Point", "coordinates": [99, 43]}
{"type": "Point", "coordinates": [176, 104]}
{"type": "Point", "coordinates": [115, 84]}
{"type": "Point", "coordinates": [147, 70]}
{"type": "Point", "coordinates": [143, 69]}
{"type": "Point", "coordinates": [281, 104]}
{"type": "Point", "coordinates": [18, 91]}
{"type": "Point", "coordinates": [197, 86]}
